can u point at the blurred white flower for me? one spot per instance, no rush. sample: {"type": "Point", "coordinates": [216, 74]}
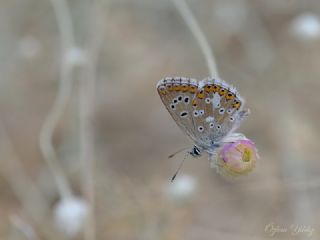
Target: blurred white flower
{"type": "Point", "coordinates": [183, 187]}
{"type": "Point", "coordinates": [70, 215]}
{"type": "Point", "coordinates": [75, 56]}
{"type": "Point", "coordinates": [306, 27]}
{"type": "Point", "coordinates": [29, 47]}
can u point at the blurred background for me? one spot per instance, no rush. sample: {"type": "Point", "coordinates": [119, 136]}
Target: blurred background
{"type": "Point", "coordinates": [109, 177]}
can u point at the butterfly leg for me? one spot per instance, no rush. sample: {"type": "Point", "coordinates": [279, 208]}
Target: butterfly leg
{"type": "Point", "coordinates": [213, 159]}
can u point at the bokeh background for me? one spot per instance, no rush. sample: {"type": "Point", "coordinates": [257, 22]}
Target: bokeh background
{"type": "Point", "coordinates": [268, 49]}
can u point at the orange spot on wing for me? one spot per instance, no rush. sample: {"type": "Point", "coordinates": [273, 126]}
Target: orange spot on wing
{"type": "Point", "coordinates": [177, 87]}
{"type": "Point", "coordinates": [194, 102]}
{"type": "Point", "coordinates": [236, 104]}
{"type": "Point", "coordinates": [230, 95]}
{"type": "Point", "coordinates": [208, 88]}
{"type": "Point", "coordinates": [200, 94]}
{"type": "Point", "coordinates": [192, 89]}
{"type": "Point", "coordinates": [215, 88]}
{"type": "Point", "coordinates": [169, 87]}
{"type": "Point", "coordinates": [222, 91]}
{"type": "Point", "coordinates": [162, 92]}
{"type": "Point", "coordinates": [184, 88]}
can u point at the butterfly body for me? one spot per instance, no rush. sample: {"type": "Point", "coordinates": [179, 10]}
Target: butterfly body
{"type": "Point", "coordinates": [207, 111]}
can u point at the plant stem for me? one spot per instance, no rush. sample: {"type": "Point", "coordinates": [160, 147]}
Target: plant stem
{"type": "Point", "coordinates": [196, 31]}
{"type": "Point", "coordinates": [63, 18]}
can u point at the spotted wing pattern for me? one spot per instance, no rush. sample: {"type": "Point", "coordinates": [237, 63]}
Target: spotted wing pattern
{"type": "Point", "coordinates": [207, 110]}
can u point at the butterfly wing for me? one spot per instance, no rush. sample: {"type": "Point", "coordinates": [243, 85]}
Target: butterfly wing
{"type": "Point", "coordinates": [206, 111]}
{"type": "Point", "coordinates": [222, 108]}
{"type": "Point", "coordinates": [177, 95]}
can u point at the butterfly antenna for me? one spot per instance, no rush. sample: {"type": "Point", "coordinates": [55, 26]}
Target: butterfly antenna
{"type": "Point", "coordinates": [180, 166]}
{"type": "Point", "coordinates": [179, 151]}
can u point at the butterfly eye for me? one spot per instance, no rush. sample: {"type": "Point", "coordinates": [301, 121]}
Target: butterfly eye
{"type": "Point", "coordinates": [186, 100]}
{"type": "Point", "coordinates": [211, 125]}
{"type": "Point", "coordinates": [175, 100]}
{"type": "Point", "coordinates": [179, 98]}
{"type": "Point", "coordinates": [201, 112]}
{"type": "Point", "coordinates": [231, 119]}
{"type": "Point", "coordinates": [229, 110]}
{"type": "Point", "coordinates": [218, 127]}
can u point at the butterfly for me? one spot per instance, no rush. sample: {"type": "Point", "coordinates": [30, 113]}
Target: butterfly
{"type": "Point", "coordinates": [208, 111]}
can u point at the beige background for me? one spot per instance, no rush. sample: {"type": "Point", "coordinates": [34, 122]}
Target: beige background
{"type": "Point", "coordinates": [140, 42]}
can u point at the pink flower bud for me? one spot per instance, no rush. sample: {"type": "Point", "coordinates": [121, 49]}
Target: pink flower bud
{"type": "Point", "coordinates": [237, 158]}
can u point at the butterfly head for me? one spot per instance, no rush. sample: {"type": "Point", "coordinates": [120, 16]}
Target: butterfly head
{"type": "Point", "coordinates": [196, 151]}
